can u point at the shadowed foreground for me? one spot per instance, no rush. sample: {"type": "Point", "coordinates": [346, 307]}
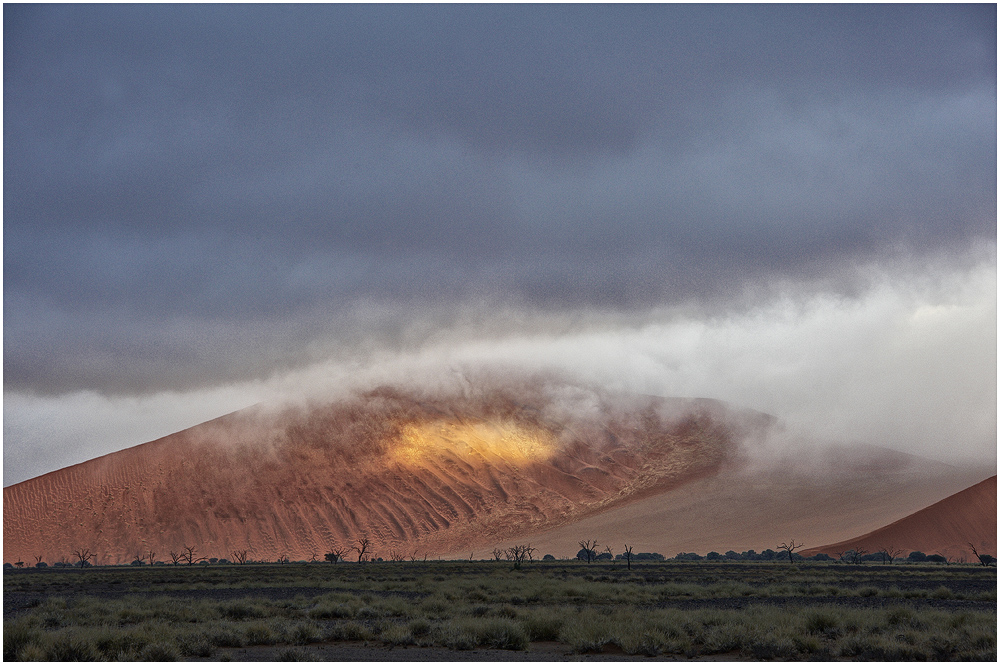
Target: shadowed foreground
{"type": "Point", "coordinates": [491, 611]}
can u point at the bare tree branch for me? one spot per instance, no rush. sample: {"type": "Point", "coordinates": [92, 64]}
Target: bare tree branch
{"type": "Point", "coordinates": [188, 556]}
{"type": "Point", "coordinates": [84, 556]}
{"type": "Point", "coordinates": [790, 547]}
{"type": "Point", "coordinates": [889, 554]}
{"type": "Point", "coordinates": [518, 553]}
{"type": "Point", "coordinates": [589, 546]}
{"type": "Point", "coordinates": [336, 553]}
{"type": "Point", "coordinates": [628, 556]}
{"type": "Point", "coordinates": [361, 547]}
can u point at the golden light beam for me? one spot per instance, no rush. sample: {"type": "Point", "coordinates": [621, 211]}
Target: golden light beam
{"type": "Point", "coordinates": [507, 441]}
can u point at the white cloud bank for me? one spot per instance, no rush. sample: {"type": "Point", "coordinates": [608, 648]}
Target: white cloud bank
{"type": "Point", "coordinates": [908, 362]}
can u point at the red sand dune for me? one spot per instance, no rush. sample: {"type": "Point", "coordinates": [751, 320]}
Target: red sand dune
{"type": "Point", "coordinates": [416, 474]}
{"type": "Point", "coordinates": [946, 527]}
{"type": "Point", "coordinates": [448, 474]}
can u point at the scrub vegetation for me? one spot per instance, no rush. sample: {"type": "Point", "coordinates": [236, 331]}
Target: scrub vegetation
{"type": "Point", "coordinates": [805, 611]}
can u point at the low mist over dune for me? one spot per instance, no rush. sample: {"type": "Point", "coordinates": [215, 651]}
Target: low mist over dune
{"type": "Point", "coordinates": [416, 473]}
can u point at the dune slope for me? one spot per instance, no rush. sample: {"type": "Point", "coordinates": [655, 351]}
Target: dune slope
{"type": "Point", "coordinates": [946, 527]}
{"type": "Point", "coordinates": [414, 473]}
{"type": "Point", "coordinates": [758, 508]}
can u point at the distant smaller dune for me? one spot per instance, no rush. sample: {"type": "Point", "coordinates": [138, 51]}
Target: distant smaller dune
{"type": "Point", "coordinates": [946, 527]}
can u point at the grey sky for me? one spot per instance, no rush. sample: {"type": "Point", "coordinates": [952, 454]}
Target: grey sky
{"type": "Point", "coordinates": [201, 195]}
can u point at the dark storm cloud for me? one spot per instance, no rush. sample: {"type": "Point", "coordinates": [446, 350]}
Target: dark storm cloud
{"type": "Point", "coordinates": [197, 193]}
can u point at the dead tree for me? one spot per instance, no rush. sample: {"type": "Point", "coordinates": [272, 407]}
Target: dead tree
{"type": "Point", "coordinates": [38, 559]}
{"type": "Point", "coordinates": [790, 547]}
{"type": "Point", "coordinates": [151, 557]}
{"type": "Point", "coordinates": [239, 556]}
{"type": "Point", "coordinates": [607, 550]}
{"type": "Point", "coordinates": [628, 556]}
{"type": "Point", "coordinates": [890, 554]}
{"type": "Point", "coordinates": [84, 556]}
{"type": "Point", "coordinates": [361, 547]}
{"type": "Point", "coordinates": [982, 558]}
{"type": "Point", "coordinates": [395, 555]}
{"type": "Point", "coordinates": [336, 554]}
{"type": "Point", "coordinates": [588, 548]}
{"type": "Point", "coordinates": [498, 554]}
{"type": "Point", "coordinates": [188, 557]}
{"type": "Point", "coordinates": [850, 556]}
{"type": "Point", "coordinates": [517, 554]}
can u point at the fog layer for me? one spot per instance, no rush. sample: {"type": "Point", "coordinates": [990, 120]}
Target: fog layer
{"type": "Point", "coordinates": [907, 362]}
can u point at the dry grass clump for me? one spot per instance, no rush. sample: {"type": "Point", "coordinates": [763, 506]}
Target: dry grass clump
{"type": "Point", "coordinates": [295, 655]}
{"type": "Point", "coordinates": [635, 633]}
{"type": "Point", "coordinates": [349, 631]}
{"type": "Point", "coordinates": [483, 633]}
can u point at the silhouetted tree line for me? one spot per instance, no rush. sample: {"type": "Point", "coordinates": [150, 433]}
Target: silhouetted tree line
{"type": "Point", "coordinates": [520, 553]}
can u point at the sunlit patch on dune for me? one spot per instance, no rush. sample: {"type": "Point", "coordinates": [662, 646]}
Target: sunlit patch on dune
{"type": "Point", "coordinates": [510, 442]}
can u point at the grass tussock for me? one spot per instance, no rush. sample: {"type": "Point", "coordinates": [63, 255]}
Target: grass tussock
{"type": "Point", "coordinates": [484, 633]}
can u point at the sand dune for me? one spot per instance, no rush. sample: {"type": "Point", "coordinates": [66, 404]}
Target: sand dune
{"type": "Point", "coordinates": [415, 473]}
{"type": "Point", "coordinates": [449, 473]}
{"type": "Point", "coordinates": [946, 527]}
